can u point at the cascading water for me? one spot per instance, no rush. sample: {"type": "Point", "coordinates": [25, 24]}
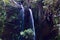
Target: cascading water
{"type": "Point", "coordinates": [21, 19]}
{"type": "Point", "coordinates": [20, 24]}
{"type": "Point", "coordinates": [31, 16]}
{"type": "Point", "coordinates": [21, 16]}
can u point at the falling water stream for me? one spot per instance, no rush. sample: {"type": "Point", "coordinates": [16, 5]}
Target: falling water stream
{"type": "Point", "coordinates": [21, 17]}
{"type": "Point", "coordinates": [31, 15]}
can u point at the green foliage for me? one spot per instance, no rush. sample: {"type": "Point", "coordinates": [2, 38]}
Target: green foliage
{"type": "Point", "coordinates": [27, 33]}
{"type": "Point", "coordinates": [2, 16]}
{"type": "Point", "coordinates": [6, 1]}
{"type": "Point", "coordinates": [47, 2]}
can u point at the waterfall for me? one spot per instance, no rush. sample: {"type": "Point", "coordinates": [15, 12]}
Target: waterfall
{"type": "Point", "coordinates": [21, 12]}
{"type": "Point", "coordinates": [21, 19]}
{"type": "Point", "coordinates": [21, 16]}
{"type": "Point", "coordinates": [31, 15]}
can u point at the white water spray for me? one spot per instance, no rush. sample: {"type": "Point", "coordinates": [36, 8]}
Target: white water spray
{"type": "Point", "coordinates": [31, 15]}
